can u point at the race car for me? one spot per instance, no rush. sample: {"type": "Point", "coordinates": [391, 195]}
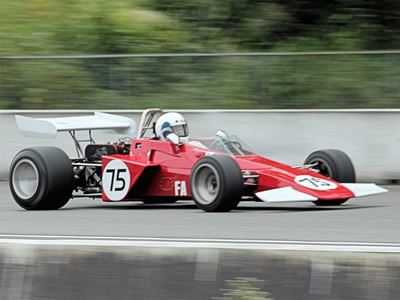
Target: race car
{"type": "Point", "coordinates": [163, 165]}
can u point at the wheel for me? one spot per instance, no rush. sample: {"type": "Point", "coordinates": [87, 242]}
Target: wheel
{"type": "Point", "coordinates": [41, 178]}
{"type": "Point", "coordinates": [216, 183]}
{"type": "Point", "coordinates": [334, 164]}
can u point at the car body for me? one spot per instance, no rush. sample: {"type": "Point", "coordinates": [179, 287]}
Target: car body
{"type": "Point", "coordinates": [217, 173]}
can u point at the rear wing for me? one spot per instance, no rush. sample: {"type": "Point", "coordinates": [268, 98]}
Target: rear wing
{"type": "Point", "coordinates": [48, 127]}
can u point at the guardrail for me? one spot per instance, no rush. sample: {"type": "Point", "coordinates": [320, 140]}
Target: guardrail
{"type": "Point", "coordinates": [30, 271]}
{"type": "Point", "coordinates": [369, 137]}
{"type": "Point", "coordinates": [99, 56]}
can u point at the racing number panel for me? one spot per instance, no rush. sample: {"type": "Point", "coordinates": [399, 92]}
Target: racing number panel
{"type": "Point", "coordinates": [120, 174]}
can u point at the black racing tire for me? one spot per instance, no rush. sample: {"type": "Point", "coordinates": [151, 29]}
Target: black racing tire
{"type": "Point", "coordinates": [334, 164]}
{"type": "Point", "coordinates": [41, 178]}
{"type": "Point", "coordinates": [216, 183]}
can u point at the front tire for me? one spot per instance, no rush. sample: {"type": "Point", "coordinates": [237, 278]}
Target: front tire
{"type": "Point", "coordinates": [334, 164]}
{"type": "Point", "coordinates": [216, 183]}
{"type": "Point", "coordinates": [41, 178]}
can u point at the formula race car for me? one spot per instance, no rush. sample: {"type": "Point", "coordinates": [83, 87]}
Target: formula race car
{"type": "Point", "coordinates": [162, 165]}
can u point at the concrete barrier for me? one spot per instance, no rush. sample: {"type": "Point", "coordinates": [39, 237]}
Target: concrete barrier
{"type": "Point", "coordinates": [92, 272]}
{"type": "Point", "coordinates": [369, 137]}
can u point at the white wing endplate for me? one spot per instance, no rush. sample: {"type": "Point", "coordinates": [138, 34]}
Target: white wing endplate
{"type": "Point", "coordinates": [288, 194]}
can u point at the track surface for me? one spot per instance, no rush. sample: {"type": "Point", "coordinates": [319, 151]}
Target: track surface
{"type": "Point", "coordinates": [370, 219]}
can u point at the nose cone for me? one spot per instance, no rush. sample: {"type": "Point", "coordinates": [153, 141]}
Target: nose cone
{"type": "Point", "coordinates": [312, 184]}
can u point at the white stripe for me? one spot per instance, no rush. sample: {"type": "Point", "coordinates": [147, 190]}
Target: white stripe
{"type": "Point", "coordinates": [200, 243]}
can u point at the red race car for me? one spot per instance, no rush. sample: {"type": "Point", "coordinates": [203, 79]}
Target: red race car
{"type": "Point", "coordinates": [162, 165]}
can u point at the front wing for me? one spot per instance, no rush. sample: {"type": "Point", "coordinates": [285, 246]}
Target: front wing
{"type": "Point", "coordinates": [289, 194]}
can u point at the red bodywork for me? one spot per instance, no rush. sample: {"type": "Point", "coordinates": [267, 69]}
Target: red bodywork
{"type": "Point", "coordinates": [162, 169]}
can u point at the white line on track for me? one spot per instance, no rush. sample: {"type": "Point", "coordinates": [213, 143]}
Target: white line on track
{"type": "Point", "coordinates": [199, 243]}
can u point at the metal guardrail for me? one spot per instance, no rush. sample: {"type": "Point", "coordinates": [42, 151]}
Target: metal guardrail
{"type": "Point", "coordinates": [106, 56]}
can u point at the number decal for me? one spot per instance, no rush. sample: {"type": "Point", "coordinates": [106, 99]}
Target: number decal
{"type": "Point", "coordinates": [315, 183]}
{"type": "Point", "coordinates": [116, 179]}
{"type": "Point", "coordinates": [122, 180]}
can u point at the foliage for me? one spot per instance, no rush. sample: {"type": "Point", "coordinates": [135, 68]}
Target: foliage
{"type": "Point", "coordinates": [244, 288]}
{"type": "Point", "coordinates": [79, 27]}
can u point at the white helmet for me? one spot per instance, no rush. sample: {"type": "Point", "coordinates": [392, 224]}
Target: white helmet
{"type": "Point", "coordinates": [172, 126]}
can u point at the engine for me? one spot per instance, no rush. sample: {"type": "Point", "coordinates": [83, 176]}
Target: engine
{"type": "Point", "coordinates": [87, 170]}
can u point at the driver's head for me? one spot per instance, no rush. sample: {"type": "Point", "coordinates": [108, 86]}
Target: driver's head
{"type": "Point", "coordinates": [172, 123]}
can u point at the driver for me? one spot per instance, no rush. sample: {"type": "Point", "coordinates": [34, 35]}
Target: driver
{"type": "Point", "coordinates": [172, 126]}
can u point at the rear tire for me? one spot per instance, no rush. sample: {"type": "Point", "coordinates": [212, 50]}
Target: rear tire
{"type": "Point", "coordinates": [41, 178]}
{"type": "Point", "coordinates": [216, 183]}
{"type": "Point", "coordinates": [334, 164]}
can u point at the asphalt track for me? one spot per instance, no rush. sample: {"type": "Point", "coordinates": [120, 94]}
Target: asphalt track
{"type": "Point", "coordinates": [373, 219]}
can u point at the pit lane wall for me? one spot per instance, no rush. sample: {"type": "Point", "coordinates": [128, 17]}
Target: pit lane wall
{"type": "Point", "coordinates": [91, 272]}
{"type": "Point", "coordinates": [370, 137]}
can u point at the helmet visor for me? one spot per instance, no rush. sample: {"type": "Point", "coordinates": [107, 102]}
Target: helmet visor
{"type": "Point", "coordinates": [181, 130]}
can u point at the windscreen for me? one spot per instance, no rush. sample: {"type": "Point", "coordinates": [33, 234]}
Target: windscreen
{"type": "Point", "coordinates": [232, 145]}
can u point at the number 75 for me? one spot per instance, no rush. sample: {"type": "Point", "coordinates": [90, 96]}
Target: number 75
{"type": "Point", "coordinates": [115, 179]}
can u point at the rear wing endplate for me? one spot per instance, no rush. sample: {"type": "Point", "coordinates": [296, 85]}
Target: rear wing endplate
{"type": "Point", "coordinates": [48, 127]}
